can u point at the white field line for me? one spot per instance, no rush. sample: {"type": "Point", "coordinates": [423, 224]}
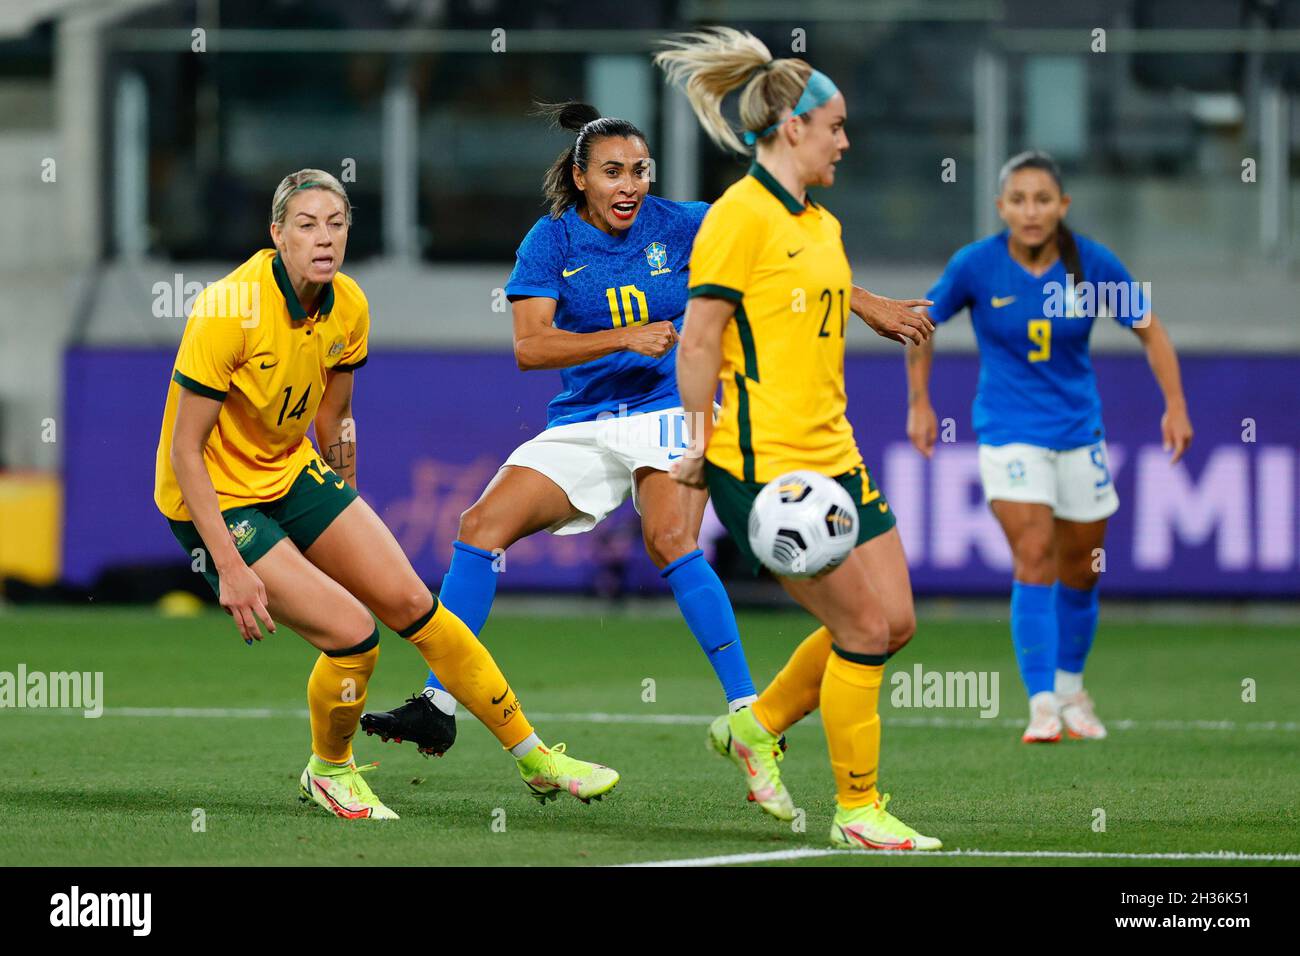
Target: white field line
{"type": "Point", "coordinates": [778, 855]}
{"type": "Point", "coordinates": [893, 720]}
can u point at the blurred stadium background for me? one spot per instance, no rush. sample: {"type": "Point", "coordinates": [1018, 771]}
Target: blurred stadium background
{"type": "Point", "coordinates": [140, 141]}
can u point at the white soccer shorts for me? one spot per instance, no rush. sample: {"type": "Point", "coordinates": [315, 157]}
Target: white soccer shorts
{"type": "Point", "coordinates": [1075, 483]}
{"type": "Point", "coordinates": [594, 462]}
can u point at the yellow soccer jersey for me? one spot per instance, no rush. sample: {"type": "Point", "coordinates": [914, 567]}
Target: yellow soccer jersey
{"type": "Point", "coordinates": [782, 373]}
{"type": "Point", "coordinates": [249, 343]}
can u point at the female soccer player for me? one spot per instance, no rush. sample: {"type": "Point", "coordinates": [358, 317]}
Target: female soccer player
{"type": "Point", "coordinates": [281, 533]}
{"type": "Point", "coordinates": [770, 290]}
{"type": "Point", "coordinates": [1033, 291]}
{"type": "Point", "coordinates": [598, 291]}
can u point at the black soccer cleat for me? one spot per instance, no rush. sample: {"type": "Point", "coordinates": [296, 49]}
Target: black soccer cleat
{"type": "Point", "coordinates": [418, 721]}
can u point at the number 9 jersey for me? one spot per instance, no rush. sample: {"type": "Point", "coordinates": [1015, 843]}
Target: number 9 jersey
{"type": "Point", "coordinates": [250, 345]}
{"type": "Point", "coordinates": [1036, 383]}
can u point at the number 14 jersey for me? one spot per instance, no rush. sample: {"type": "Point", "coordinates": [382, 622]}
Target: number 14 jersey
{"type": "Point", "coordinates": [249, 344]}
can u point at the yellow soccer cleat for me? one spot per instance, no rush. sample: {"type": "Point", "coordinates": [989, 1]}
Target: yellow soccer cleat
{"type": "Point", "coordinates": [341, 791]}
{"type": "Point", "coordinates": [743, 740]}
{"type": "Point", "coordinates": [549, 771]}
{"type": "Point", "coordinates": [873, 828]}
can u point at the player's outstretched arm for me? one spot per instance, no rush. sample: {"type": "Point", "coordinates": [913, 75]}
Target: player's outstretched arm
{"type": "Point", "coordinates": [336, 431]}
{"type": "Point", "coordinates": [242, 595]}
{"type": "Point", "coordinates": [892, 318]}
{"type": "Point", "coordinates": [1175, 425]}
{"type": "Point", "coordinates": [540, 345]}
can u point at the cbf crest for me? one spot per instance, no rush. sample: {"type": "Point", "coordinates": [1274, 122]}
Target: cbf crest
{"type": "Point", "coordinates": [657, 255]}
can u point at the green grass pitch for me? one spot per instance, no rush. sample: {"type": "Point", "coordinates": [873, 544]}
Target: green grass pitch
{"type": "Point", "coordinates": [122, 789]}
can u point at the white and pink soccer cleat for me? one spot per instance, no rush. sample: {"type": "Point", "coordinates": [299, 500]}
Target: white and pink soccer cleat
{"type": "Point", "coordinates": [1044, 719]}
{"type": "Point", "coordinates": [1080, 719]}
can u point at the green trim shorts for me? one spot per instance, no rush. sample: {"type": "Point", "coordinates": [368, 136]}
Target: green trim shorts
{"type": "Point", "coordinates": [318, 496]}
{"type": "Point", "coordinates": [733, 498]}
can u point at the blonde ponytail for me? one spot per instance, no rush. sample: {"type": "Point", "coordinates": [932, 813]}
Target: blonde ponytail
{"type": "Point", "coordinates": [711, 63]}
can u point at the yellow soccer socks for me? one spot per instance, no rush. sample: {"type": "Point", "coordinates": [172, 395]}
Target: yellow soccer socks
{"type": "Point", "coordinates": [469, 673]}
{"type": "Point", "coordinates": [850, 696]}
{"type": "Point", "coordinates": [796, 690]}
{"type": "Point", "coordinates": [336, 696]}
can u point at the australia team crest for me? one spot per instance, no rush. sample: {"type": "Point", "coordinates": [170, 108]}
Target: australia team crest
{"type": "Point", "coordinates": [243, 533]}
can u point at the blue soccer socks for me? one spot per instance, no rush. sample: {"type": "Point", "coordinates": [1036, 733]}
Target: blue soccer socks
{"type": "Point", "coordinates": [1034, 634]}
{"type": "Point", "coordinates": [708, 613]}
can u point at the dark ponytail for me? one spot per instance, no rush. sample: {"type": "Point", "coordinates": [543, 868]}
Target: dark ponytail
{"type": "Point", "coordinates": [1066, 247]}
{"type": "Point", "coordinates": [1068, 250]}
{"type": "Point", "coordinates": [557, 185]}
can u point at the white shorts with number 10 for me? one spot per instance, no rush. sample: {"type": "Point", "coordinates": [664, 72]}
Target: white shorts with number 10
{"type": "Point", "coordinates": [594, 462]}
{"type": "Point", "coordinates": [1075, 483]}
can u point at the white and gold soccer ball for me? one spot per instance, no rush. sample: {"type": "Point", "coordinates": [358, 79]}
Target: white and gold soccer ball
{"type": "Point", "coordinates": [801, 524]}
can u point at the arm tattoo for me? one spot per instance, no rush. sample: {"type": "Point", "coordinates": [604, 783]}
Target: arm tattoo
{"type": "Point", "coordinates": [342, 457]}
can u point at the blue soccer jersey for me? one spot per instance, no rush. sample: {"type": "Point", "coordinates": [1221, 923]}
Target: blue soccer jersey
{"type": "Point", "coordinates": [1036, 383]}
{"type": "Point", "coordinates": [602, 282]}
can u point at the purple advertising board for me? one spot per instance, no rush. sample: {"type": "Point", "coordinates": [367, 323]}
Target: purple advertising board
{"type": "Point", "coordinates": [433, 427]}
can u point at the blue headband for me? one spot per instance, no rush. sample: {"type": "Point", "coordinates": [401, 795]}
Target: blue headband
{"type": "Point", "coordinates": [820, 88]}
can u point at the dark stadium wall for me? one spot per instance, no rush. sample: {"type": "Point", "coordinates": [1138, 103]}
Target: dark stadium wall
{"type": "Point", "coordinates": [433, 428]}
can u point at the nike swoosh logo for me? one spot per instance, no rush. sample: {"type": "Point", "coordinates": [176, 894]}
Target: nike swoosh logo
{"type": "Point", "coordinates": [272, 365]}
{"type": "Point", "coordinates": [567, 272]}
{"type": "Point", "coordinates": [675, 457]}
{"type": "Point", "coordinates": [795, 253]}
{"type": "Point", "coordinates": [883, 506]}
{"type": "Point", "coordinates": [866, 774]}
{"type": "Point", "coordinates": [999, 303]}
{"type": "Point", "coordinates": [346, 812]}
{"type": "Point", "coordinates": [497, 700]}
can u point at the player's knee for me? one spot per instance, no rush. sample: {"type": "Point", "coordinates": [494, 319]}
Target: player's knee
{"type": "Point", "coordinates": [407, 607]}
{"type": "Point", "coordinates": [867, 634]}
{"type": "Point", "coordinates": [350, 627]}
{"type": "Point", "coordinates": [402, 603]}
{"type": "Point", "coordinates": [1033, 560]}
{"type": "Point", "coordinates": [901, 630]}
{"type": "Point", "coordinates": [668, 543]}
{"type": "Point", "coordinates": [471, 524]}
{"type": "Point", "coordinates": [480, 527]}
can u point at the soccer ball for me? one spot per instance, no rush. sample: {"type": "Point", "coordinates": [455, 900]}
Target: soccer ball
{"type": "Point", "coordinates": [801, 524]}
